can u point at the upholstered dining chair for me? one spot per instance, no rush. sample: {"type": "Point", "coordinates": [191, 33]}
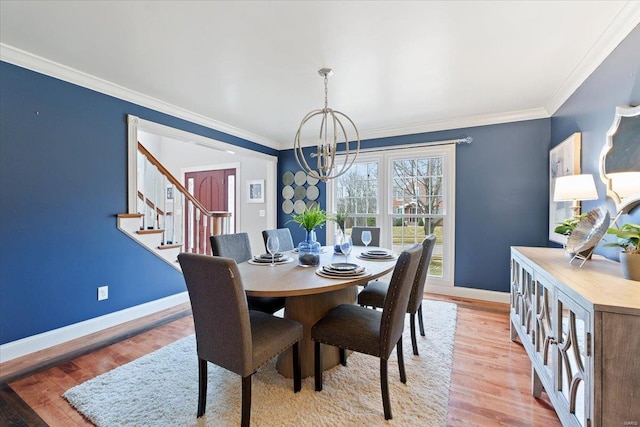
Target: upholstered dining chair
{"type": "Point", "coordinates": [238, 247]}
{"type": "Point", "coordinates": [376, 292]}
{"type": "Point", "coordinates": [228, 334]}
{"type": "Point", "coordinates": [284, 237]}
{"type": "Point", "coordinates": [356, 236]}
{"type": "Point", "coordinates": [352, 327]}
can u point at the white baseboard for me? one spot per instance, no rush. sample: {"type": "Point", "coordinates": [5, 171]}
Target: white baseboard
{"type": "Point", "coordinates": [48, 339]}
{"type": "Point", "coordinates": [459, 291]}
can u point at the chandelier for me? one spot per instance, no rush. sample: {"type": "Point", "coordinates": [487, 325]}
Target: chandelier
{"type": "Point", "coordinates": [332, 130]}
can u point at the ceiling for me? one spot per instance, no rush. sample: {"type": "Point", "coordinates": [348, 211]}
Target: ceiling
{"type": "Point", "coordinates": [250, 68]}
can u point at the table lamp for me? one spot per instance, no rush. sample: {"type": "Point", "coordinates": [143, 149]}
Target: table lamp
{"type": "Point", "coordinates": [573, 188]}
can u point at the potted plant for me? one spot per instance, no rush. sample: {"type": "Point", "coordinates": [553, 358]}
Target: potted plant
{"type": "Point", "coordinates": [309, 249]}
{"type": "Point", "coordinates": [629, 240]}
{"type": "Point", "coordinates": [340, 219]}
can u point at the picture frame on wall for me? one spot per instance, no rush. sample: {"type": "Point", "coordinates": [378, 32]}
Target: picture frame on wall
{"type": "Point", "coordinates": [255, 191]}
{"type": "Point", "coordinates": [564, 159]}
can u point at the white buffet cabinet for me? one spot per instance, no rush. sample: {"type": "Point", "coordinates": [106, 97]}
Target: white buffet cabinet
{"type": "Point", "coordinates": [581, 330]}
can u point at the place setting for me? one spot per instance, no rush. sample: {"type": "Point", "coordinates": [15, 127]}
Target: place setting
{"type": "Point", "coordinates": [267, 259]}
{"type": "Point", "coordinates": [340, 270]}
{"type": "Point", "coordinates": [377, 254]}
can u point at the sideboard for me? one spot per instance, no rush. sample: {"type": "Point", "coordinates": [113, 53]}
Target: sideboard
{"type": "Point", "coordinates": [581, 329]}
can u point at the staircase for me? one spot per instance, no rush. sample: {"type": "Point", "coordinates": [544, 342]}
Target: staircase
{"type": "Point", "coordinates": [168, 215]}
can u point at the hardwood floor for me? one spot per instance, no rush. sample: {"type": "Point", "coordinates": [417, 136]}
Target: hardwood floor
{"type": "Point", "coordinates": [490, 384]}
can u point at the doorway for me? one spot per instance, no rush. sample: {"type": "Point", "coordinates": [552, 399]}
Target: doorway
{"type": "Point", "coordinates": [215, 189]}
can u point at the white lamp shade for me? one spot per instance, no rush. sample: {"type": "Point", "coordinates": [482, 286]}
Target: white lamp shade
{"type": "Point", "coordinates": [575, 187]}
{"type": "Point", "coordinates": [625, 184]}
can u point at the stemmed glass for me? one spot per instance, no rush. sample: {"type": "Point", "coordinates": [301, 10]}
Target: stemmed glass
{"type": "Point", "coordinates": [273, 245]}
{"type": "Point", "coordinates": [345, 246]}
{"type": "Point", "coordinates": [366, 237]}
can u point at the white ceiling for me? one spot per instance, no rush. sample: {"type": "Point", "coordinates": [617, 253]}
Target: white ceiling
{"type": "Point", "coordinates": [250, 68]}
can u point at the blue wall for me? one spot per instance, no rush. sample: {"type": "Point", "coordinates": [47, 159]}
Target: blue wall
{"type": "Point", "coordinates": [591, 110]}
{"type": "Point", "coordinates": [501, 195]}
{"type": "Point", "coordinates": [63, 178]}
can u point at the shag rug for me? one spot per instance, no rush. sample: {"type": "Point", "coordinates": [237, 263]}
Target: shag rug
{"type": "Point", "coordinates": [161, 388]}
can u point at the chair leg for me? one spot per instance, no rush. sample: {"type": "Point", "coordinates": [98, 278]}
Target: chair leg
{"type": "Point", "coordinates": [414, 342]}
{"type": "Point", "coordinates": [246, 401]}
{"type": "Point", "coordinates": [384, 386]}
{"type": "Point", "coordinates": [343, 357]}
{"type": "Point", "coordinates": [317, 366]}
{"type": "Point", "coordinates": [297, 376]}
{"type": "Point", "coordinates": [403, 375]}
{"type": "Point", "coordinates": [202, 387]}
{"type": "Point", "coordinates": [420, 320]}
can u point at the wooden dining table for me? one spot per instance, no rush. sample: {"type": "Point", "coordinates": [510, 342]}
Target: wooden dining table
{"type": "Point", "coordinates": [309, 297]}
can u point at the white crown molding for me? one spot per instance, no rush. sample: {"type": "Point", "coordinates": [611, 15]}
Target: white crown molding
{"type": "Point", "coordinates": [44, 66]}
{"type": "Point", "coordinates": [624, 22]}
{"type": "Point", "coordinates": [447, 124]}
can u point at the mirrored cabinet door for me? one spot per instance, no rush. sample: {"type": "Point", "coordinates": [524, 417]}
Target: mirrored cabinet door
{"type": "Point", "coordinates": [573, 358]}
{"type": "Point", "coordinates": [545, 333]}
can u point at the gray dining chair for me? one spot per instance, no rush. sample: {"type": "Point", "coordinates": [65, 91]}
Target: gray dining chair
{"type": "Point", "coordinates": [352, 327]}
{"type": "Point", "coordinates": [228, 334]}
{"type": "Point", "coordinates": [284, 237]}
{"type": "Point", "coordinates": [356, 236]}
{"type": "Point", "coordinates": [238, 247]}
{"type": "Point", "coordinates": [376, 292]}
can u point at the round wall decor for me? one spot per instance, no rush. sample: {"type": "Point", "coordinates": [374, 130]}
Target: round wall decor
{"type": "Point", "coordinates": [287, 206]}
{"type": "Point", "coordinates": [299, 206]}
{"type": "Point", "coordinates": [287, 192]}
{"type": "Point", "coordinates": [300, 178]}
{"type": "Point", "coordinates": [287, 178]}
{"type": "Point", "coordinates": [312, 192]}
{"type": "Point", "coordinates": [300, 192]}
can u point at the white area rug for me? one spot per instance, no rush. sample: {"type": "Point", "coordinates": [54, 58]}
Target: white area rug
{"type": "Point", "coordinates": [161, 388]}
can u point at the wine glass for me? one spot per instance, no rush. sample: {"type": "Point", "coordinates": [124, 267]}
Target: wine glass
{"type": "Point", "coordinates": [366, 237]}
{"type": "Point", "coordinates": [273, 245]}
{"type": "Point", "coordinates": [345, 246]}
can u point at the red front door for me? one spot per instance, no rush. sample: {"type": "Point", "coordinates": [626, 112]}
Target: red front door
{"type": "Point", "coordinates": [211, 189]}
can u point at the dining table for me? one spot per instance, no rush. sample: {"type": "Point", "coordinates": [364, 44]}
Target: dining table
{"type": "Point", "coordinates": [309, 296]}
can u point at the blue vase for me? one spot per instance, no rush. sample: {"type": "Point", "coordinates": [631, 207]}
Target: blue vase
{"type": "Point", "coordinates": [309, 251]}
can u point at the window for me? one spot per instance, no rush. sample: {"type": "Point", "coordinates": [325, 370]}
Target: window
{"type": "Point", "coordinates": [408, 193]}
{"type": "Point", "coordinates": [357, 194]}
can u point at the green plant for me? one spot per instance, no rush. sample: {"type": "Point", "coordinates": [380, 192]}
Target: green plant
{"type": "Point", "coordinates": [628, 238]}
{"type": "Point", "coordinates": [567, 226]}
{"type": "Point", "coordinates": [310, 218]}
{"type": "Point", "coordinates": [340, 218]}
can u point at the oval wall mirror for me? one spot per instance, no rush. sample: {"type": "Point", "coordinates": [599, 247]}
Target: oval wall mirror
{"type": "Point", "coordinates": [620, 158]}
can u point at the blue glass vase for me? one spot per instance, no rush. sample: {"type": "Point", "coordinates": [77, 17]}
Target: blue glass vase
{"type": "Point", "coordinates": [309, 251]}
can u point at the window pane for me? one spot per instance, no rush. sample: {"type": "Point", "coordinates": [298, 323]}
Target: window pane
{"type": "Point", "coordinates": [410, 230]}
{"type": "Point", "coordinates": [357, 190]}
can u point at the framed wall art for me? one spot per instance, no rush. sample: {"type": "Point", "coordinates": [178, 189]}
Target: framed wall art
{"type": "Point", "coordinates": [255, 191]}
{"type": "Point", "coordinates": [564, 159]}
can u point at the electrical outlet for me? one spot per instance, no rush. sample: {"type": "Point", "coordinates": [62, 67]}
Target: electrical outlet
{"type": "Point", "coordinates": [103, 293]}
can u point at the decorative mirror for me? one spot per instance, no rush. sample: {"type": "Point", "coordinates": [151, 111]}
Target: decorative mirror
{"type": "Point", "coordinates": [620, 159]}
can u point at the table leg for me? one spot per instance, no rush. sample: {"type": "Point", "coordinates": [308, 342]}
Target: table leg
{"type": "Point", "coordinates": [308, 309]}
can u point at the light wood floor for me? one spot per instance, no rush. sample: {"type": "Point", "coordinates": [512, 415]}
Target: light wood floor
{"type": "Point", "coordinates": [490, 383]}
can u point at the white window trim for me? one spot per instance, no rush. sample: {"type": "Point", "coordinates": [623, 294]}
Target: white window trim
{"type": "Point", "coordinates": [385, 191]}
